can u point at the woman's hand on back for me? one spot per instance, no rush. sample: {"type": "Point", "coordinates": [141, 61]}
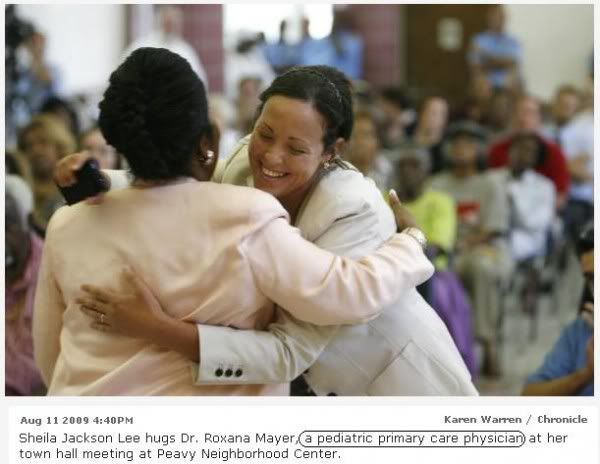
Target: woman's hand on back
{"type": "Point", "coordinates": [136, 314]}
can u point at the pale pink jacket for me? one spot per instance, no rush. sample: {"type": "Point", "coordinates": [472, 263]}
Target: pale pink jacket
{"type": "Point", "coordinates": [216, 254]}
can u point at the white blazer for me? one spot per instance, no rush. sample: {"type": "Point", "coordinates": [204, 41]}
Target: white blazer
{"type": "Point", "coordinates": [407, 350]}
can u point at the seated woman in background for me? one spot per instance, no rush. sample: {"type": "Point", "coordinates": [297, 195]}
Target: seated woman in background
{"type": "Point", "coordinates": [211, 253]}
{"type": "Point", "coordinates": [568, 370]}
{"type": "Point", "coordinates": [43, 142]}
{"type": "Point", "coordinates": [93, 141]}
{"type": "Point", "coordinates": [304, 122]}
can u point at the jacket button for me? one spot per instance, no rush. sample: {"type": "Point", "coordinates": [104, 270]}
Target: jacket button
{"type": "Point", "coordinates": [219, 372]}
{"type": "Point", "coordinates": [228, 373]}
{"type": "Point", "coordinates": [331, 394]}
{"type": "Point", "coordinates": [238, 373]}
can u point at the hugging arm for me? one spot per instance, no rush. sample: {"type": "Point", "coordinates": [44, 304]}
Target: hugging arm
{"type": "Point", "coordinates": [318, 287]}
{"type": "Point", "coordinates": [289, 346]}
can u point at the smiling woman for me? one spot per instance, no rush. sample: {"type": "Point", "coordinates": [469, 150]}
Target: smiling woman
{"type": "Point", "coordinates": [303, 124]}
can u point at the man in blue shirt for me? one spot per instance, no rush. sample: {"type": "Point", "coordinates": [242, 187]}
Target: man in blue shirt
{"type": "Point", "coordinates": [569, 368]}
{"type": "Point", "coordinates": [495, 53]}
{"type": "Point", "coordinates": [341, 49]}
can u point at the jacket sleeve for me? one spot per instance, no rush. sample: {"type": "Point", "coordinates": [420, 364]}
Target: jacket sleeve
{"type": "Point", "coordinates": [47, 318]}
{"type": "Point", "coordinates": [316, 286]}
{"type": "Point", "coordinates": [289, 346]}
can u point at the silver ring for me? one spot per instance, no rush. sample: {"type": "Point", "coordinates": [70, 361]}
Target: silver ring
{"type": "Point", "coordinates": [101, 318]}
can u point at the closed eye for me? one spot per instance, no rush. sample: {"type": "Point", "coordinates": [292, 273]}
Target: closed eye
{"type": "Point", "coordinates": [297, 151]}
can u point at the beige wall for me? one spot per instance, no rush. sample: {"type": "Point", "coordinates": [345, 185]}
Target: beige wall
{"type": "Point", "coordinates": [84, 41]}
{"type": "Point", "coordinates": [557, 42]}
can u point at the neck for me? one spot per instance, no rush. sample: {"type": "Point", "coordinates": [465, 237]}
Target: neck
{"type": "Point", "coordinates": [410, 194]}
{"type": "Point", "coordinates": [517, 173]}
{"type": "Point", "coordinates": [294, 200]}
{"type": "Point", "coordinates": [42, 178]}
{"type": "Point", "coordinates": [464, 171]}
{"type": "Point", "coordinates": [428, 136]}
{"type": "Point", "coordinates": [148, 183]}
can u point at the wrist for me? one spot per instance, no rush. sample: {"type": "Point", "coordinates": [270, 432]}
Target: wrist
{"type": "Point", "coordinates": [417, 235]}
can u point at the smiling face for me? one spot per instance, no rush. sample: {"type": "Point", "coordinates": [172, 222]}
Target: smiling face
{"type": "Point", "coordinates": [286, 148]}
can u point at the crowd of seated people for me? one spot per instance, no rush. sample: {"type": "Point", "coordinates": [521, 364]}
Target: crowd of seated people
{"type": "Point", "coordinates": [487, 183]}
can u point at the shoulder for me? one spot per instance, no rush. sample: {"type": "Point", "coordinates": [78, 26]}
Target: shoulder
{"type": "Point", "coordinates": [439, 181]}
{"type": "Point", "coordinates": [248, 202]}
{"type": "Point", "coordinates": [576, 332]}
{"type": "Point", "coordinates": [236, 168]}
{"type": "Point", "coordinates": [541, 182]}
{"type": "Point", "coordinates": [343, 191]}
{"type": "Point", "coordinates": [512, 41]}
{"type": "Point", "coordinates": [441, 199]}
{"type": "Point", "coordinates": [59, 220]}
{"type": "Point", "coordinates": [492, 181]}
{"type": "Point", "coordinates": [342, 194]}
{"type": "Point", "coordinates": [481, 37]}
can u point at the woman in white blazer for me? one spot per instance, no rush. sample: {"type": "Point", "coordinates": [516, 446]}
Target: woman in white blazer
{"type": "Point", "coordinates": [293, 153]}
{"type": "Point", "coordinates": [177, 231]}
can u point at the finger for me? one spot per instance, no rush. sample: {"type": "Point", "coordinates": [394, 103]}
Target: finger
{"type": "Point", "coordinates": [79, 159]}
{"type": "Point", "coordinates": [394, 200]}
{"type": "Point", "coordinates": [89, 312]}
{"type": "Point", "coordinates": [99, 294]}
{"type": "Point", "coordinates": [92, 305]}
{"type": "Point", "coordinates": [139, 286]}
{"type": "Point", "coordinates": [101, 327]}
{"type": "Point", "coordinates": [66, 171]}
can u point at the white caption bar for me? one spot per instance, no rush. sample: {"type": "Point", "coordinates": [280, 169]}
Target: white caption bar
{"type": "Point", "coordinates": [321, 433]}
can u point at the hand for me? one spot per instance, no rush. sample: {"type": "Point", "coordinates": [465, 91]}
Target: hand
{"type": "Point", "coordinates": [66, 169]}
{"type": "Point", "coordinates": [403, 217]}
{"type": "Point", "coordinates": [136, 314]}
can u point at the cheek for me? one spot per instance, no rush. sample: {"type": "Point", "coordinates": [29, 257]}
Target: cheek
{"type": "Point", "coordinates": [254, 150]}
{"type": "Point", "coordinates": [303, 168]}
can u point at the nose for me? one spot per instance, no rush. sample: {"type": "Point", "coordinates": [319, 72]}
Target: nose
{"type": "Point", "coordinates": [273, 156]}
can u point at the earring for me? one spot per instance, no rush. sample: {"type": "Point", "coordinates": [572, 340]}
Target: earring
{"type": "Point", "coordinates": [328, 163]}
{"type": "Point", "coordinates": [209, 157]}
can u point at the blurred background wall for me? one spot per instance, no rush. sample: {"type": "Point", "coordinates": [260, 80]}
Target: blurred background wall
{"type": "Point", "coordinates": [556, 39]}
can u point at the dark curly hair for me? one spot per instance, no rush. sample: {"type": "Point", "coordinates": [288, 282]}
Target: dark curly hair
{"type": "Point", "coordinates": [328, 89]}
{"type": "Point", "coordinates": [155, 112]}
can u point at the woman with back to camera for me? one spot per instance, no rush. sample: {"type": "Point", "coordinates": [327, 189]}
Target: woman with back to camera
{"type": "Point", "coordinates": [304, 121]}
{"type": "Point", "coordinates": [173, 229]}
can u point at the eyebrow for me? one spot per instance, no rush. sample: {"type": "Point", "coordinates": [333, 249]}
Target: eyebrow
{"type": "Point", "coordinates": [290, 138]}
{"type": "Point", "coordinates": [299, 140]}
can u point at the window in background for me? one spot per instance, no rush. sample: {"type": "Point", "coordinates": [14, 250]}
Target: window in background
{"type": "Point", "coordinates": [236, 19]}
